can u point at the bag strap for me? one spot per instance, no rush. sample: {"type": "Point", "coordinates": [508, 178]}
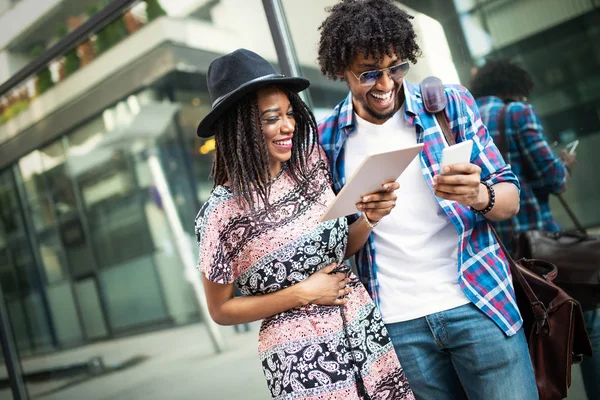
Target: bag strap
{"type": "Point", "coordinates": [538, 308]}
{"type": "Point", "coordinates": [571, 214]}
{"type": "Point", "coordinates": [503, 147]}
{"type": "Point", "coordinates": [434, 101]}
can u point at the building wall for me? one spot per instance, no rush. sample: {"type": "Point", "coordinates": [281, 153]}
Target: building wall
{"type": "Point", "coordinates": [86, 250]}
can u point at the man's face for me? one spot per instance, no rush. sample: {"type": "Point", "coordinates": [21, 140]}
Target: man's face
{"type": "Point", "coordinates": [379, 102]}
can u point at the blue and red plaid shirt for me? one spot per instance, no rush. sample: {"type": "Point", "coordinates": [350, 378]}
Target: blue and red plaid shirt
{"type": "Point", "coordinates": [540, 172]}
{"type": "Point", "coordinates": [483, 271]}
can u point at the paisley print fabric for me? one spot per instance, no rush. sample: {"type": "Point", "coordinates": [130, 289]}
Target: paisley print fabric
{"type": "Point", "coordinates": [310, 352]}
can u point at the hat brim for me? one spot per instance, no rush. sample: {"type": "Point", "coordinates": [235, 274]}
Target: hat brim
{"type": "Point", "coordinates": [295, 84]}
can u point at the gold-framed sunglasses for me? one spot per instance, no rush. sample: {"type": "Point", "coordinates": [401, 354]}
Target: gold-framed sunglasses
{"type": "Point", "coordinates": [395, 72]}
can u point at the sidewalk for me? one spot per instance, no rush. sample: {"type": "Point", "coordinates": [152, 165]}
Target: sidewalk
{"type": "Point", "coordinates": [180, 364]}
{"type": "Point", "coordinates": [176, 363]}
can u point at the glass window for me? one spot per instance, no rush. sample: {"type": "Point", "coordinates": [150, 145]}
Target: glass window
{"type": "Point", "coordinates": [102, 239]}
{"type": "Point", "coordinates": [57, 181]}
{"type": "Point", "coordinates": [31, 174]}
{"type": "Point", "coordinates": [464, 5]}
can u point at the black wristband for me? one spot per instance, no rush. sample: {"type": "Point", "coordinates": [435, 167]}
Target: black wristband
{"type": "Point", "coordinates": [492, 201]}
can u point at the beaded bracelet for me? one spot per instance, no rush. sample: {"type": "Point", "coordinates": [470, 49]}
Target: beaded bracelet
{"type": "Point", "coordinates": [491, 202]}
{"type": "Point", "coordinates": [368, 222]}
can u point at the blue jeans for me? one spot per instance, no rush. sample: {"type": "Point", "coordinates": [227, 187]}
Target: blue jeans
{"type": "Point", "coordinates": [461, 353]}
{"type": "Point", "coordinates": [590, 367]}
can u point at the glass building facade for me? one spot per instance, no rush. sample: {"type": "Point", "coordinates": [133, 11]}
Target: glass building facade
{"type": "Point", "coordinates": [101, 173]}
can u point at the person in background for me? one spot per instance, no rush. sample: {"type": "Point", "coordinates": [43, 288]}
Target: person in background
{"type": "Point", "coordinates": [321, 336]}
{"type": "Point", "coordinates": [433, 265]}
{"type": "Point", "coordinates": [503, 84]}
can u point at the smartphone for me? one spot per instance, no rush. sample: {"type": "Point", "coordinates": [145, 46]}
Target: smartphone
{"type": "Point", "coordinates": [457, 154]}
{"type": "Point", "coordinates": [572, 146]}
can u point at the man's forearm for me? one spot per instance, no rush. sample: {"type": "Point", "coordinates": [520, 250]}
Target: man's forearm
{"type": "Point", "coordinates": [506, 204]}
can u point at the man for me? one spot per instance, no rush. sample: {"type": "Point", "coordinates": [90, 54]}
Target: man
{"type": "Point", "coordinates": [433, 265]}
{"type": "Point", "coordinates": [540, 172]}
{"type": "Point", "coordinates": [504, 84]}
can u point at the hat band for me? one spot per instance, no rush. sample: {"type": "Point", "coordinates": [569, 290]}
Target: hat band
{"type": "Point", "coordinates": [250, 82]}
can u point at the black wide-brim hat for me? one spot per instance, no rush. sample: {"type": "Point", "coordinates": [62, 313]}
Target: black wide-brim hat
{"type": "Point", "coordinates": [232, 76]}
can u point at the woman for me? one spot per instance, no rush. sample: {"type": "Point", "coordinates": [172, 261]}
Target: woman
{"type": "Point", "coordinates": [322, 337]}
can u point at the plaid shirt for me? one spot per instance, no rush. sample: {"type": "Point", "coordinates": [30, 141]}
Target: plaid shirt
{"type": "Point", "coordinates": [482, 268]}
{"type": "Point", "coordinates": [540, 172]}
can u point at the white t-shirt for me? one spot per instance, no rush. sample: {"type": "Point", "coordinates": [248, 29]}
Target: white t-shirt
{"type": "Point", "coordinates": [417, 244]}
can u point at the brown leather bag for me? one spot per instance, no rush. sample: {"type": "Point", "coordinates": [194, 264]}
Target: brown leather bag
{"type": "Point", "coordinates": [553, 324]}
{"type": "Point", "coordinates": [575, 254]}
{"type": "Point", "coordinates": [552, 320]}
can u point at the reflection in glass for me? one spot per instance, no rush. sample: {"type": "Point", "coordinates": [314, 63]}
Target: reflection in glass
{"type": "Point", "coordinates": [464, 5]}
{"type": "Point", "coordinates": [51, 255]}
{"type": "Point", "coordinates": [7, 275]}
{"type": "Point", "coordinates": [93, 318]}
{"type": "Point", "coordinates": [31, 169]}
{"type": "Point", "coordinates": [478, 39]}
{"type": "Point", "coordinates": [41, 213]}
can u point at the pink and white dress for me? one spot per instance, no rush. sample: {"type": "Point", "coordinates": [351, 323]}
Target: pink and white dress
{"type": "Point", "coordinates": [310, 352]}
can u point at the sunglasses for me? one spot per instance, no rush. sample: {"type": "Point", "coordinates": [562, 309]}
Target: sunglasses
{"type": "Point", "coordinates": [370, 78]}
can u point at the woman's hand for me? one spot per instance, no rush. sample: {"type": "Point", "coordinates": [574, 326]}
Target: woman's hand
{"type": "Point", "coordinates": [379, 204]}
{"type": "Point", "coordinates": [325, 288]}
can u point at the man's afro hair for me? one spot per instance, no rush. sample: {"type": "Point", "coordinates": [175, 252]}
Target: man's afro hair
{"type": "Point", "coordinates": [369, 27]}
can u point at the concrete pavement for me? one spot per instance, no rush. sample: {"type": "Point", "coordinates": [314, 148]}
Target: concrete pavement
{"type": "Point", "coordinates": [176, 363]}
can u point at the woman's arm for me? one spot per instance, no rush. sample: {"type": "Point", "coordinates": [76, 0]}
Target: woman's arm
{"type": "Point", "coordinates": [321, 288]}
{"type": "Point", "coordinates": [375, 206]}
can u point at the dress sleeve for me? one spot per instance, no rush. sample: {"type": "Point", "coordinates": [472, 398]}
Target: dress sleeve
{"type": "Point", "coordinates": [318, 159]}
{"type": "Point", "coordinates": [213, 261]}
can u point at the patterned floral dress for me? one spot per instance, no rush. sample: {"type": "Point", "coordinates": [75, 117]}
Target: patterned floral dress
{"type": "Point", "coordinates": [309, 352]}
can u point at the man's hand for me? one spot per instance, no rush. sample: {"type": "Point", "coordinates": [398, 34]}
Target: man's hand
{"type": "Point", "coordinates": [567, 158]}
{"type": "Point", "coordinates": [462, 183]}
{"type": "Point", "coordinates": [379, 204]}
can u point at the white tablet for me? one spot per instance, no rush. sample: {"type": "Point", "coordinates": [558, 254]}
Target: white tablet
{"type": "Point", "coordinates": [374, 171]}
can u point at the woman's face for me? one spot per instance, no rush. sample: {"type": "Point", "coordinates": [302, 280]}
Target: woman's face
{"type": "Point", "coordinates": [277, 118]}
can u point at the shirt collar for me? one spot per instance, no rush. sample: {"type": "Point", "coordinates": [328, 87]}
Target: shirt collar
{"type": "Point", "coordinates": [412, 103]}
{"type": "Point", "coordinates": [488, 100]}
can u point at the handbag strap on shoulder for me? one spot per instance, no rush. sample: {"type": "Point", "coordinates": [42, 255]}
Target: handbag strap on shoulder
{"type": "Point", "coordinates": [538, 308]}
{"type": "Point", "coordinates": [434, 102]}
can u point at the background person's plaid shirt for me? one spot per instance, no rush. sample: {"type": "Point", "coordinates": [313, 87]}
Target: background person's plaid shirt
{"type": "Point", "coordinates": [482, 268]}
{"type": "Point", "coordinates": [540, 172]}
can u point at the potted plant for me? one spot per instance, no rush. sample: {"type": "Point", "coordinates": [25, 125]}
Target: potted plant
{"type": "Point", "coordinates": [84, 51]}
{"type": "Point", "coordinates": [44, 76]}
{"type": "Point", "coordinates": [154, 10]}
{"type": "Point", "coordinates": [132, 22]}
{"type": "Point", "coordinates": [71, 62]}
{"type": "Point", "coordinates": [61, 31]}
{"type": "Point", "coordinates": [110, 35]}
